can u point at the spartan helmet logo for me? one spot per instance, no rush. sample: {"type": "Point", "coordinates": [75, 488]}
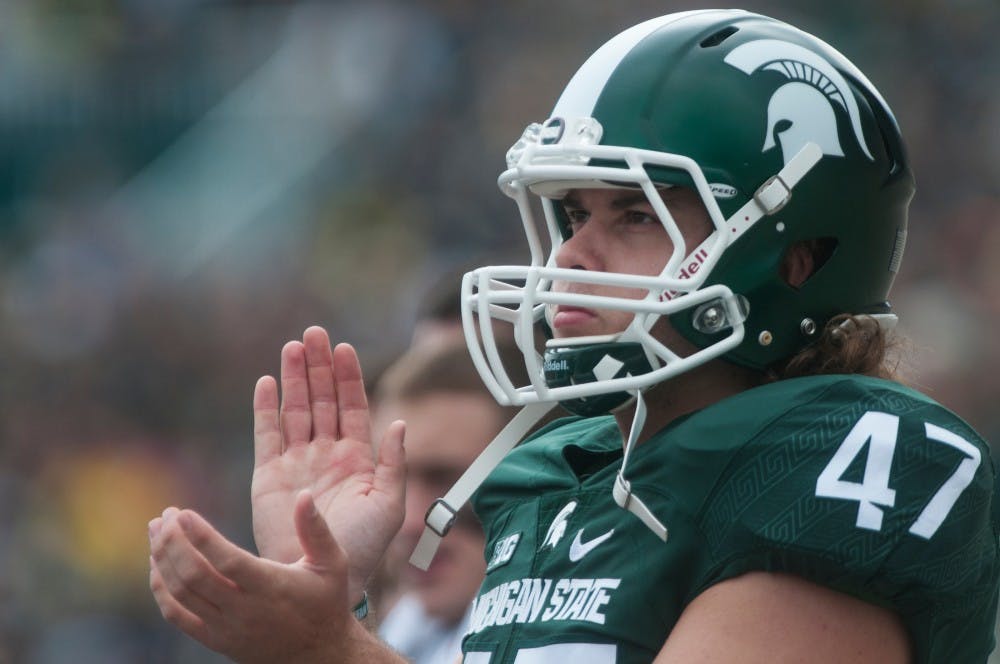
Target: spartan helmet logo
{"type": "Point", "coordinates": [558, 527]}
{"type": "Point", "coordinates": [806, 101]}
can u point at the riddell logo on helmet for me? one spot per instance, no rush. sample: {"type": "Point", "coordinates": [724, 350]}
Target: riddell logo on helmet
{"type": "Point", "coordinates": [694, 264]}
{"type": "Point", "coordinates": [691, 268]}
{"type": "Point", "coordinates": [555, 365]}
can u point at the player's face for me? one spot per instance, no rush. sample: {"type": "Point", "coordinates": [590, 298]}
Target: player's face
{"type": "Point", "coordinates": [616, 230]}
{"type": "Point", "coordinates": [444, 434]}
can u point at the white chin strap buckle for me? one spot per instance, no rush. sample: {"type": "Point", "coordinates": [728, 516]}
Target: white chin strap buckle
{"type": "Point", "coordinates": [440, 517]}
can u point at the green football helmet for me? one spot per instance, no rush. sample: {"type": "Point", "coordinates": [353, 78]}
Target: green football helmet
{"type": "Point", "coordinates": [784, 140]}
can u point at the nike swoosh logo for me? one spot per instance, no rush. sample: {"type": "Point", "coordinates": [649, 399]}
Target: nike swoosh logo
{"type": "Point", "coordinates": [578, 549]}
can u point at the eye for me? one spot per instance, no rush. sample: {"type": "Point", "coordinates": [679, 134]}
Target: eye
{"type": "Point", "coordinates": [576, 217]}
{"type": "Point", "coordinates": [640, 217]}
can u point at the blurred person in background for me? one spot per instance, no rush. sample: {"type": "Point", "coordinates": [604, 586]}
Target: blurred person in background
{"type": "Point", "coordinates": [724, 345]}
{"type": "Point", "coordinates": [450, 418]}
{"type": "Point", "coordinates": [439, 316]}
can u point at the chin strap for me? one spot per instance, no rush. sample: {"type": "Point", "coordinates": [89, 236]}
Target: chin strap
{"type": "Point", "coordinates": [442, 512]}
{"type": "Point", "coordinates": [622, 491]}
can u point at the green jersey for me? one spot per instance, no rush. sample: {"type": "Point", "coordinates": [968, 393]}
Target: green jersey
{"type": "Point", "coordinates": [855, 483]}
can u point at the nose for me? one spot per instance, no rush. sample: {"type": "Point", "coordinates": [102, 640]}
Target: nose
{"type": "Point", "coordinates": [581, 251]}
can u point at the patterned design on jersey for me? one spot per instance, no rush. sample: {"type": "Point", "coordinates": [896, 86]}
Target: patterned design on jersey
{"type": "Point", "coordinates": [739, 486]}
{"type": "Point", "coordinates": [763, 477]}
{"type": "Point", "coordinates": [768, 475]}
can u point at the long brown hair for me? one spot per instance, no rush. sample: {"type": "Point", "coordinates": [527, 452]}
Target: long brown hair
{"type": "Point", "coordinates": [849, 344]}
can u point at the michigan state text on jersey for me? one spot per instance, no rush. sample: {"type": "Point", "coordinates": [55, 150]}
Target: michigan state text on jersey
{"type": "Point", "coordinates": [854, 483]}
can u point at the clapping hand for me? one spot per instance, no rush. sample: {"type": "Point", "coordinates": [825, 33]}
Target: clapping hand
{"type": "Point", "coordinates": [320, 439]}
{"type": "Point", "coordinates": [325, 506]}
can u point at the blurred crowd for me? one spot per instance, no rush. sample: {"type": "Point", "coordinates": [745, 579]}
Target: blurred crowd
{"type": "Point", "coordinates": [186, 184]}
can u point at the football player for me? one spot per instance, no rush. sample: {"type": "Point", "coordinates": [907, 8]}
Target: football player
{"type": "Point", "coordinates": [716, 210]}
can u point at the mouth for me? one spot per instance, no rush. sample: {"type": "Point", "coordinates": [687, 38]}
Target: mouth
{"type": "Point", "coordinates": [568, 317]}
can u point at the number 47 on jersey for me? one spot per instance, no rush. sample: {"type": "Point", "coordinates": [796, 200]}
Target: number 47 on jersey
{"type": "Point", "coordinates": [880, 431]}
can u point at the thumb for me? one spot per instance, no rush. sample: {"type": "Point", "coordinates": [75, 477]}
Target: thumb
{"type": "Point", "coordinates": [390, 472]}
{"type": "Point", "coordinates": [319, 547]}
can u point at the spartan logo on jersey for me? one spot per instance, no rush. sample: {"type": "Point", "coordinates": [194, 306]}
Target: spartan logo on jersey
{"type": "Point", "coordinates": [558, 527]}
{"type": "Point", "coordinates": [806, 101]}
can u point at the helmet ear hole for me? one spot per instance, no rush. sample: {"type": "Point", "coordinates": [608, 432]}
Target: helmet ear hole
{"type": "Point", "coordinates": [804, 259]}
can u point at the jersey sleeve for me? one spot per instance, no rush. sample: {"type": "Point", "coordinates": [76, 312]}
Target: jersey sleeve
{"type": "Point", "coordinates": [875, 492]}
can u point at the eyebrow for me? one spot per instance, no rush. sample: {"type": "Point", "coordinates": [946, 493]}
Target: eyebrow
{"type": "Point", "coordinates": [623, 201]}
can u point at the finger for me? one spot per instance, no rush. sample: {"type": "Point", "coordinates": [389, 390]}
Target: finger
{"type": "Point", "coordinates": [319, 371]}
{"type": "Point", "coordinates": [390, 471]}
{"type": "Point", "coordinates": [320, 548]}
{"type": "Point", "coordinates": [230, 561]}
{"type": "Point", "coordinates": [296, 420]}
{"type": "Point", "coordinates": [154, 528]}
{"type": "Point", "coordinates": [266, 427]}
{"type": "Point", "coordinates": [352, 403]}
{"type": "Point", "coordinates": [188, 577]}
{"type": "Point", "coordinates": [172, 610]}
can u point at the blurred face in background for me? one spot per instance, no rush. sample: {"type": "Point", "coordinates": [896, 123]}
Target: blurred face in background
{"type": "Point", "coordinates": [445, 432]}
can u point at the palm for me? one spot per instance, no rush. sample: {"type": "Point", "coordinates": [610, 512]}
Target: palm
{"type": "Point", "coordinates": [334, 475]}
{"type": "Point", "coordinates": [320, 440]}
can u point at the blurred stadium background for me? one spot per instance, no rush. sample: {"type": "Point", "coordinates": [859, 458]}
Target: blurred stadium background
{"type": "Point", "coordinates": [186, 184]}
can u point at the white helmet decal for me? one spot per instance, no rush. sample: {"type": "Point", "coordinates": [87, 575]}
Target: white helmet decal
{"type": "Point", "coordinates": [806, 100]}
